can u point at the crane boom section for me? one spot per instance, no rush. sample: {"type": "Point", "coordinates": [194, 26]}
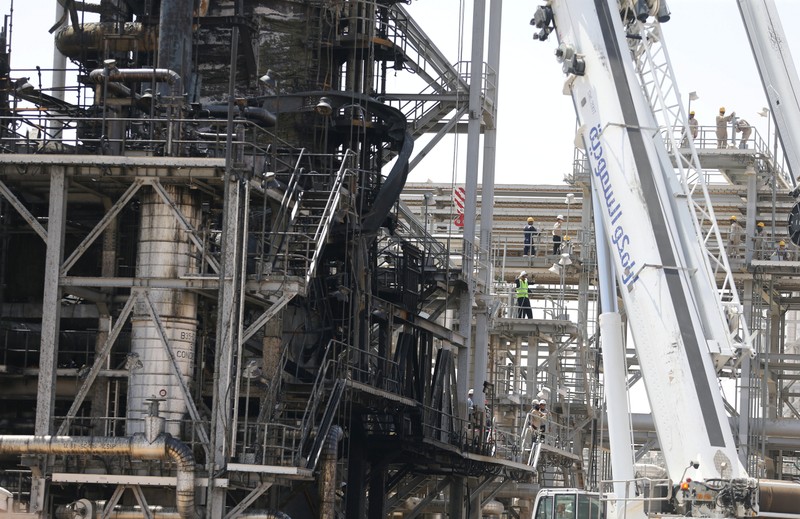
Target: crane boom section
{"type": "Point", "coordinates": [778, 73]}
{"type": "Point", "coordinates": [644, 214]}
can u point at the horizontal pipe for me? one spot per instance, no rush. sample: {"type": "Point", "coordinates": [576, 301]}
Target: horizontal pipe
{"type": "Point", "coordinates": [136, 446]}
{"type": "Point", "coordinates": [158, 75]}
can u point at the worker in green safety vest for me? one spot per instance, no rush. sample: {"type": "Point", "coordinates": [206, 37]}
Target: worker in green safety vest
{"type": "Point", "coordinates": [523, 303]}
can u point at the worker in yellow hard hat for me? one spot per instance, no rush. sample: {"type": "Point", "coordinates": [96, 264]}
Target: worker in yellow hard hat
{"type": "Point", "coordinates": [529, 232]}
{"type": "Point", "coordinates": [722, 127]}
{"type": "Point", "coordinates": [693, 125]}
{"type": "Point", "coordinates": [781, 253]}
{"type": "Point", "coordinates": [758, 241]}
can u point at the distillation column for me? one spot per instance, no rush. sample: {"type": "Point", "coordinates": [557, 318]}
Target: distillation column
{"type": "Point", "coordinates": [165, 253]}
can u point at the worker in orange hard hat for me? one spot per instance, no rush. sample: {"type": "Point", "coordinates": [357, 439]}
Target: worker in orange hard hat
{"type": "Point", "coordinates": [722, 127]}
{"type": "Point", "coordinates": [528, 234]}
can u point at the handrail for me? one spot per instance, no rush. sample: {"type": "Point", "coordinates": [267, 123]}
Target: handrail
{"type": "Point", "coordinates": [334, 197]}
{"type": "Point", "coordinates": [307, 422]}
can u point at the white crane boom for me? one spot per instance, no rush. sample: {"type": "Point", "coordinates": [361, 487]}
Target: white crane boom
{"type": "Point", "coordinates": [778, 73]}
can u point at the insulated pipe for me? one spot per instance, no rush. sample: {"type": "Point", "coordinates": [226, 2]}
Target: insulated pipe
{"type": "Point", "coordinates": [136, 446]}
{"type": "Point", "coordinates": [161, 75]}
{"type": "Point", "coordinates": [93, 37]}
{"type": "Point", "coordinates": [327, 475]}
{"type": "Point", "coordinates": [249, 112]}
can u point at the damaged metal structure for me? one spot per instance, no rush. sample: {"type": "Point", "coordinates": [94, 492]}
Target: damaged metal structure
{"type": "Point", "coordinates": [212, 303]}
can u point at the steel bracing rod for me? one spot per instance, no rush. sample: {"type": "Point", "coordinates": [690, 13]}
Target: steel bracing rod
{"type": "Point", "coordinates": [23, 211]}
{"type": "Point", "coordinates": [428, 498]}
{"type": "Point", "coordinates": [266, 316]}
{"type": "Point", "coordinates": [437, 138]}
{"type": "Point", "coordinates": [248, 500]}
{"type": "Point", "coordinates": [403, 492]}
{"type": "Point", "coordinates": [111, 503]}
{"type": "Point", "coordinates": [139, 495]}
{"type": "Point", "coordinates": [653, 62]}
{"type": "Point", "coordinates": [187, 396]}
{"type": "Point", "coordinates": [494, 492]}
{"type": "Point", "coordinates": [185, 224]}
{"type": "Point", "coordinates": [644, 449]}
{"type": "Point", "coordinates": [476, 492]}
{"type": "Point", "coordinates": [98, 363]}
{"type": "Point", "coordinates": [102, 224]}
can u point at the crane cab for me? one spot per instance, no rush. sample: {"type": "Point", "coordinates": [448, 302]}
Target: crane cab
{"type": "Point", "coordinates": [568, 503]}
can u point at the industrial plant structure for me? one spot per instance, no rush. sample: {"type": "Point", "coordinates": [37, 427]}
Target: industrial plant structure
{"type": "Point", "coordinates": [219, 296]}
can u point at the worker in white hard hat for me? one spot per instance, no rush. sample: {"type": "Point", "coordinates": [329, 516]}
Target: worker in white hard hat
{"type": "Point", "coordinates": [735, 235]}
{"type": "Point", "coordinates": [543, 413]}
{"type": "Point", "coordinates": [523, 292]}
{"type": "Point", "coordinates": [743, 127]}
{"type": "Point", "coordinates": [722, 127]}
{"type": "Point", "coordinates": [535, 420]}
{"type": "Point", "coordinates": [470, 402]}
{"type": "Point", "coordinates": [528, 234]}
{"type": "Point", "coordinates": [558, 233]}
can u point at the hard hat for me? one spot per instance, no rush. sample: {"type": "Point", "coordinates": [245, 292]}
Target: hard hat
{"type": "Point", "coordinates": [560, 217]}
{"type": "Point", "coordinates": [782, 243]}
{"type": "Point", "coordinates": [523, 273]}
{"type": "Point", "coordinates": [566, 238]}
{"type": "Point", "coordinates": [722, 109]}
{"type": "Point", "coordinates": [760, 224]}
{"type": "Point", "coordinates": [535, 401]}
{"type": "Point", "coordinates": [530, 219]}
{"type": "Point", "coordinates": [691, 113]}
{"type": "Point", "coordinates": [542, 401]}
{"type": "Point", "coordinates": [471, 391]}
{"type": "Point", "coordinates": [733, 218]}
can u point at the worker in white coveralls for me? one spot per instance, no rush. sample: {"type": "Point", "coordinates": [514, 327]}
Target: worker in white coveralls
{"type": "Point", "coordinates": [722, 127]}
{"type": "Point", "coordinates": [743, 127]}
{"type": "Point", "coordinates": [734, 237]}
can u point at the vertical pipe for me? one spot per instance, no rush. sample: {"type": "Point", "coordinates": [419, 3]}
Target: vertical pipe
{"type": "Point", "coordinates": [481, 341]}
{"type": "Point", "coordinates": [327, 474]}
{"type": "Point", "coordinates": [175, 38]}
{"type": "Point", "coordinates": [59, 63]}
{"type": "Point", "coordinates": [471, 202]}
{"type": "Point", "coordinates": [752, 210]}
{"type": "Point", "coordinates": [227, 340]}
{"type": "Point", "coordinates": [746, 379]}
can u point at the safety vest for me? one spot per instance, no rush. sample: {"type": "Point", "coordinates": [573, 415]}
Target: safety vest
{"type": "Point", "coordinates": [522, 289]}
